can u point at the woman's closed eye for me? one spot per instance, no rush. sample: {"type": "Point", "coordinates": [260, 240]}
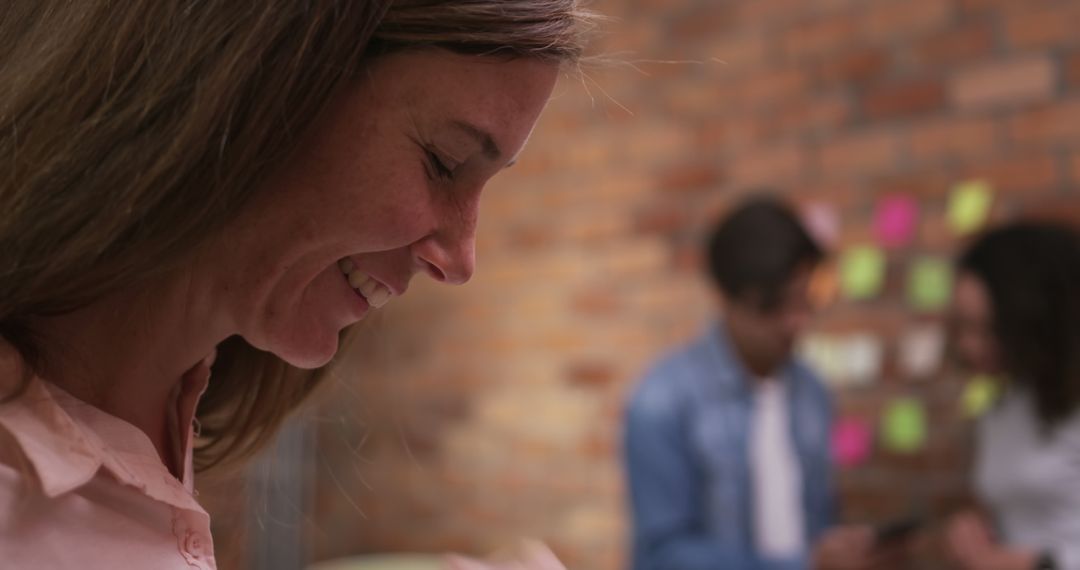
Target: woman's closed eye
{"type": "Point", "coordinates": [439, 168]}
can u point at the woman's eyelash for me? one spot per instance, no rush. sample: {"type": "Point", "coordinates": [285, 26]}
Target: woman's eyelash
{"type": "Point", "coordinates": [440, 168]}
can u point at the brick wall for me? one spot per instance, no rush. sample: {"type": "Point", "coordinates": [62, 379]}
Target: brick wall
{"type": "Point", "coordinates": [467, 417]}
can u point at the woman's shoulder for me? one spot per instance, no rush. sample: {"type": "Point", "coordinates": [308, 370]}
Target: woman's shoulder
{"type": "Point", "coordinates": [41, 449]}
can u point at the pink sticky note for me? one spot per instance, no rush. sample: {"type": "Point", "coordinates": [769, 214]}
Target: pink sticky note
{"type": "Point", "coordinates": [822, 223]}
{"type": "Point", "coordinates": [895, 219]}
{"type": "Point", "coordinates": [851, 441]}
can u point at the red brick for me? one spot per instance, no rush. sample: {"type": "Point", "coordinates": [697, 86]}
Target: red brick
{"type": "Point", "coordinates": [662, 218]}
{"type": "Point", "coordinates": [840, 195]}
{"type": "Point", "coordinates": [861, 153]}
{"type": "Point", "coordinates": [591, 374]}
{"type": "Point", "coordinates": [745, 130]}
{"type": "Point", "coordinates": [530, 237]}
{"type": "Point", "coordinates": [712, 132]}
{"type": "Point", "coordinates": [903, 99]}
{"type": "Point", "coordinates": [1019, 173]}
{"type": "Point", "coordinates": [686, 98]}
{"type": "Point", "coordinates": [764, 12]}
{"type": "Point", "coordinates": [824, 113]}
{"type": "Point", "coordinates": [925, 184]}
{"type": "Point", "coordinates": [1003, 83]}
{"type": "Point", "coordinates": [771, 165]}
{"type": "Point", "coordinates": [981, 7]}
{"type": "Point", "coordinates": [1062, 208]}
{"type": "Point", "coordinates": [818, 37]}
{"type": "Point", "coordinates": [954, 138]}
{"type": "Point", "coordinates": [705, 22]}
{"type": "Point", "coordinates": [687, 259]}
{"type": "Point", "coordinates": [773, 85]}
{"type": "Point", "coordinates": [633, 35]}
{"type": "Point", "coordinates": [971, 42]}
{"type": "Point", "coordinates": [904, 18]}
{"type": "Point", "coordinates": [858, 66]}
{"type": "Point", "coordinates": [1054, 123]}
{"type": "Point", "coordinates": [736, 52]}
{"type": "Point", "coordinates": [1072, 70]}
{"type": "Point", "coordinates": [690, 177]}
{"type": "Point", "coordinates": [649, 5]}
{"type": "Point", "coordinates": [731, 132]}
{"type": "Point", "coordinates": [1046, 26]}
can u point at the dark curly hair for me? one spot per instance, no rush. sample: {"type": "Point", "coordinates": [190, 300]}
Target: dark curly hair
{"type": "Point", "coordinates": [1032, 272]}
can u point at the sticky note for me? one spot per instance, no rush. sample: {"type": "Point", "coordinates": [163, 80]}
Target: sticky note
{"type": "Point", "coordinates": [969, 206]}
{"type": "Point", "coordinates": [852, 442]}
{"type": "Point", "coordinates": [862, 272]}
{"type": "Point", "coordinates": [980, 394]}
{"type": "Point", "coordinates": [862, 356]}
{"type": "Point", "coordinates": [824, 286]}
{"type": "Point", "coordinates": [903, 428]}
{"type": "Point", "coordinates": [930, 282]}
{"type": "Point", "coordinates": [921, 350]}
{"type": "Point", "coordinates": [821, 352]}
{"type": "Point", "coordinates": [895, 220]}
{"type": "Point", "coordinates": [822, 222]}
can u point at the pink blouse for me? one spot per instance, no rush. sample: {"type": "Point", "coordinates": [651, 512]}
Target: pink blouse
{"type": "Point", "coordinates": [80, 488]}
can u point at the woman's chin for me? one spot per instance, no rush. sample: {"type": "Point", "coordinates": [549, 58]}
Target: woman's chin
{"type": "Point", "coordinates": [307, 361]}
{"type": "Point", "coordinates": [306, 352]}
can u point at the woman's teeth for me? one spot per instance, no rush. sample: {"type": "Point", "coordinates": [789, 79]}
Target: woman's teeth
{"type": "Point", "coordinates": [376, 294]}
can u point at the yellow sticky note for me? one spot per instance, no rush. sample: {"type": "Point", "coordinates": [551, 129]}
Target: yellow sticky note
{"type": "Point", "coordinates": [862, 272]}
{"type": "Point", "coordinates": [821, 352]}
{"type": "Point", "coordinates": [969, 206]}
{"type": "Point", "coordinates": [903, 428]}
{"type": "Point", "coordinates": [930, 283]}
{"type": "Point", "coordinates": [980, 394]}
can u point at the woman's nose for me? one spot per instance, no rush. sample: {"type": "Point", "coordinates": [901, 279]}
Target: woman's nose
{"type": "Point", "coordinates": [448, 258]}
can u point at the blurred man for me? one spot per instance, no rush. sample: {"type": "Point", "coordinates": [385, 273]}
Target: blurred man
{"type": "Point", "coordinates": [727, 439]}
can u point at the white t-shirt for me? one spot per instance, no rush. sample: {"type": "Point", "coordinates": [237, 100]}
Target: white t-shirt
{"type": "Point", "coordinates": [1031, 482]}
{"type": "Point", "coordinates": [779, 527]}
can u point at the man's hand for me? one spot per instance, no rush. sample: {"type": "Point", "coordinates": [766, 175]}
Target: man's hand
{"type": "Point", "coordinates": [855, 548]}
{"type": "Point", "coordinates": [531, 556]}
{"type": "Point", "coordinates": [973, 546]}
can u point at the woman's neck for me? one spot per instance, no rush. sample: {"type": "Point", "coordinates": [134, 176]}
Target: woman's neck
{"type": "Point", "coordinates": [125, 353]}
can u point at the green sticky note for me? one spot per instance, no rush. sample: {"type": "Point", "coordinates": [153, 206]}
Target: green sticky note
{"type": "Point", "coordinates": [980, 394]}
{"type": "Point", "coordinates": [903, 426]}
{"type": "Point", "coordinates": [930, 283]}
{"type": "Point", "coordinates": [862, 271]}
{"type": "Point", "coordinates": [969, 206]}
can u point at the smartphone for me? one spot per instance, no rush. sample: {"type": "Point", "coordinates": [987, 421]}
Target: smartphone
{"type": "Point", "coordinates": [898, 529]}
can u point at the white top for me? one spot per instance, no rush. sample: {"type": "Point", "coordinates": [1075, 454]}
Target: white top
{"type": "Point", "coordinates": [1031, 482]}
{"type": "Point", "coordinates": [779, 530]}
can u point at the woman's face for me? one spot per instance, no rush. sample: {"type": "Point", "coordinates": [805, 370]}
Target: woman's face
{"type": "Point", "coordinates": [972, 323]}
{"type": "Point", "coordinates": [385, 185]}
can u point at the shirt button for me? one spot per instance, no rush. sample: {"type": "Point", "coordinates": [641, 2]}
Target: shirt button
{"type": "Point", "coordinates": [193, 544]}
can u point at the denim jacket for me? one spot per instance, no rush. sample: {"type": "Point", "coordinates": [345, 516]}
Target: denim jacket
{"type": "Point", "coordinates": [686, 452]}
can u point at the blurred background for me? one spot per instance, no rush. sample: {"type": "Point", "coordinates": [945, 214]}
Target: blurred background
{"type": "Point", "coordinates": [466, 418]}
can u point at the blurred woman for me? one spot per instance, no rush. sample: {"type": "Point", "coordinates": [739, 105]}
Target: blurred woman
{"type": "Point", "coordinates": [222, 186]}
{"type": "Point", "coordinates": [1017, 316]}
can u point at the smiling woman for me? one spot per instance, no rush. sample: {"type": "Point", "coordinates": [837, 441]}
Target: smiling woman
{"type": "Point", "coordinates": [222, 188]}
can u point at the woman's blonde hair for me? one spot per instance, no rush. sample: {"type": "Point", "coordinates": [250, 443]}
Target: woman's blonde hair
{"type": "Point", "coordinates": [130, 132]}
